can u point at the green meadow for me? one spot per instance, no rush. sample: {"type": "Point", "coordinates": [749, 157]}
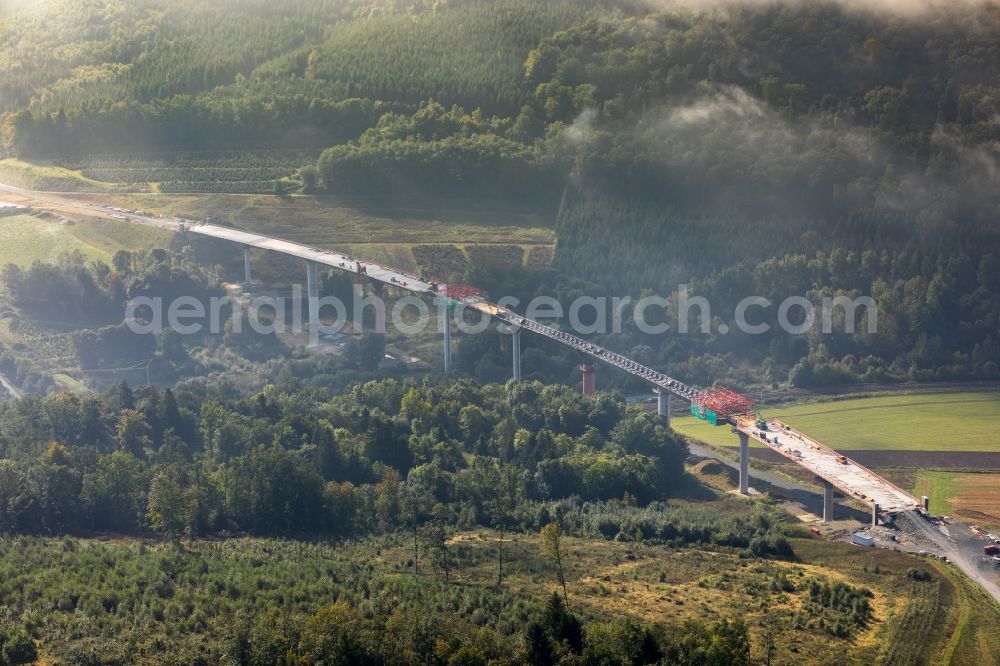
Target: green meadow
{"type": "Point", "coordinates": [960, 421]}
{"type": "Point", "coordinates": [27, 238]}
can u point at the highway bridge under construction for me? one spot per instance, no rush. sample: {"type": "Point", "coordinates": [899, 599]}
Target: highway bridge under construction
{"type": "Point", "coordinates": [716, 405]}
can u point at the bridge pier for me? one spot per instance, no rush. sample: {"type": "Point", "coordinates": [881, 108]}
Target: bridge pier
{"type": "Point", "coordinates": [515, 343]}
{"type": "Point", "coordinates": [588, 382]}
{"type": "Point", "coordinates": [663, 404]}
{"type": "Point", "coordinates": [827, 501]}
{"type": "Point", "coordinates": [378, 292]}
{"type": "Point", "coordinates": [446, 331]}
{"type": "Point", "coordinates": [247, 275]}
{"type": "Point", "coordinates": [312, 294]}
{"type": "Point", "coordinates": [744, 463]}
{"type": "Point", "coordinates": [875, 510]}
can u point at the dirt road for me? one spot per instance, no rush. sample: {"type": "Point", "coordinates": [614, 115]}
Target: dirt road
{"type": "Point", "coordinates": [963, 555]}
{"type": "Point", "coordinates": [62, 203]}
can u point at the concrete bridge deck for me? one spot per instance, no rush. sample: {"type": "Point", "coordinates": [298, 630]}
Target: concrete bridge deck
{"type": "Point", "coordinates": [849, 477]}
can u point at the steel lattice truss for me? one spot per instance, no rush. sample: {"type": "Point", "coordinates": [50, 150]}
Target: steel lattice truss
{"type": "Point", "coordinates": [657, 379]}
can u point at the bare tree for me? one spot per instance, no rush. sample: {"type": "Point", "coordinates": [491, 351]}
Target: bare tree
{"type": "Point", "coordinates": [551, 536]}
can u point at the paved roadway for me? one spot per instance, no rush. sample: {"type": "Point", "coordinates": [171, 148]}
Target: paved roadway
{"type": "Point", "coordinates": [331, 258]}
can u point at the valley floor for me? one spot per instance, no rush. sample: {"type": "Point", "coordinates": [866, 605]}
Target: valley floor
{"type": "Point", "coordinates": [113, 597]}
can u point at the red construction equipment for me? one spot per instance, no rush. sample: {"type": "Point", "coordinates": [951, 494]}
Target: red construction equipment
{"type": "Point", "coordinates": [724, 402]}
{"type": "Point", "coordinates": [461, 293]}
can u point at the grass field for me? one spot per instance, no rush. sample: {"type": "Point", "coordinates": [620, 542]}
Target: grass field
{"type": "Point", "coordinates": [67, 383]}
{"type": "Point", "coordinates": [47, 177]}
{"type": "Point", "coordinates": [28, 238]}
{"type": "Point", "coordinates": [971, 497]}
{"type": "Point", "coordinates": [912, 422]}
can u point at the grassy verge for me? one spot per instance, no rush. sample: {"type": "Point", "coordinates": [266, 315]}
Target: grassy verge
{"type": "Point", "coordinates": [969, 496]}
{"type": "Point", "coordinates": [328, 219]}
{"type": "Point", "coordinates": [48, 178]}
{"type": "Point", "coordinates": [29, 238]}
{"type": "Point", "coordinates": [398, 236]}
{"type": "Point", "coordinates": [67, 383]}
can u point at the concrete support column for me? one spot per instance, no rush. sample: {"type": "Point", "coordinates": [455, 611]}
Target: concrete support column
{"type": "Point", "coordinates": [744, 463]}
{"type": "Point", "coordinates": [827, 502]}
{"type": "Point", "coordinates": [312, 295]}
{"type": "Point", "coordinates": [515, 343]}
{"type": "Point", "coordinates": [875, 509]}
{"type": "Point", "coordinates": [588, 381]}
{"type": "Point", "coordinates": [248, 276]}
{"type": "Point", "coordinates": [663, 404]}
{"type": "Point", "coordinates": [358, 304]}
{"type": "Point", "coordinates": [378, 291]}
{"type": "Point", "coordinates": [446, 331]}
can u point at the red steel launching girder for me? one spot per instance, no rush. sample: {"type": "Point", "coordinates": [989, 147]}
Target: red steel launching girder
{"type": "Point", "coordinates": [463, 293]}
{"type": "Point", "coordinates": [725, 402]}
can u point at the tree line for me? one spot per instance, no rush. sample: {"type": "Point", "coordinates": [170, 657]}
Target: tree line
{"type": "Point", "coordinates": [291, 462]}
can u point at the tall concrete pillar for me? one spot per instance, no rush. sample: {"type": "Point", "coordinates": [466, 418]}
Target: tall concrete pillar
{"type": "Point", "coordinates": [663, 404]}
{"type": "Point", "coordinates": [588, 381]}
{"type": "Point", "coordinates": [378, 291]}
{"type": "Point", "coordinates": [875, 509]}
{"type": "Point", "coordinates": [248, 276]}
{"type": "Point", "coordinates": [744, 463]}
{"type": "Point", "coordinates": [515, 340]}
{"type": "Point", "coordinates": [446, 331]}
{"type": "Point", "coordinates": [312, 295]}
{"type": "Point", "coordinates": [827, 502]}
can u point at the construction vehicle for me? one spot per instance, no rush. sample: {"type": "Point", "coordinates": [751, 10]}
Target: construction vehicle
{"type": "Point", "coordinates": [842, 460]}
{"type": "Point", "coordinates": [761, 423]}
